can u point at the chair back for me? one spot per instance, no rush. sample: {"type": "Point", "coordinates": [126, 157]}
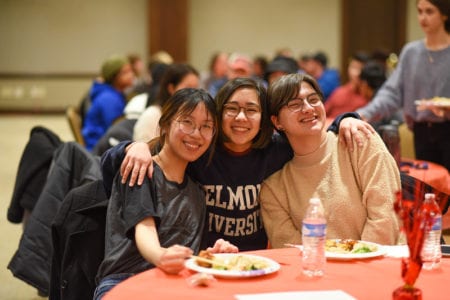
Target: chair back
{"type": "Point", "coordinates": [74, 118]}
{"type": "Point", "coordinates": [407, 141]}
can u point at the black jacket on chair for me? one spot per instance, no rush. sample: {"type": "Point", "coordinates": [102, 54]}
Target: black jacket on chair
{"type": "Point", "coordinates": [32, 172]}
{"type": "Point", "coordinates": [78, 234]}
{"type": "Point", "coordinates": [72, 166]}
{"type": "Point", "coordinates": [118, 132]}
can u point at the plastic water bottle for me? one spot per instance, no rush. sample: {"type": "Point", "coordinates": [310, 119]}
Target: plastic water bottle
{"type": "Point", "coordinates": [431, 250]}
{"type": "Point", "coordinates": [313, 239]}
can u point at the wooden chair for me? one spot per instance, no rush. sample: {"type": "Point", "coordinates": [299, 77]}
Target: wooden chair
{"type": "Point", "coordinates": [74, 119]}
{"type": "Point", "coordinates": [406, 142]}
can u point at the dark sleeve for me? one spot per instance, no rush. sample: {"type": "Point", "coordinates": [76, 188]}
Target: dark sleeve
{"type": "Point", "coordinates": [337, 121]}
{"type": "Point", "coordinates": [110, 163]}
{"type": "Point", "coordinates": [139, 202]}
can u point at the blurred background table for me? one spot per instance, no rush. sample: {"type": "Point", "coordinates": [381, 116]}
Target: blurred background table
{"type": "Point", "coordinates": [431, 173]}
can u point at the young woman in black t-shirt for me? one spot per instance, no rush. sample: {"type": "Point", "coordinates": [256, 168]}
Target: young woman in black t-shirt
{"type": "Point", "coordinates": [161, 222]}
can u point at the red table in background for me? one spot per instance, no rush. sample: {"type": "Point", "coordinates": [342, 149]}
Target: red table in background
{"type": "Point", "coordinates": [435, 175]}
{"type": "Point", "coordinates": [363, 279]}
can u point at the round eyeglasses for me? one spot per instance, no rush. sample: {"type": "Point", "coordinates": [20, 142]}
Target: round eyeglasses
{"type": "Point", "coordinates": [188, 126]}
{"type": "Point", "coordinates": [297, 104]}
{"type": "Point", "coordinates": [232, 110]}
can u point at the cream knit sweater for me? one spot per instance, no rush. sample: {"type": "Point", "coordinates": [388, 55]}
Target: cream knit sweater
{"type": "Point", "coordinates": [357, 190]}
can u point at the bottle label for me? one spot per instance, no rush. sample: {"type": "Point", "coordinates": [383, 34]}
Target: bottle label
{"type": "Point", "coordinates": [314, 230]}
{"type": "Point", "coordinates": [437, 223]}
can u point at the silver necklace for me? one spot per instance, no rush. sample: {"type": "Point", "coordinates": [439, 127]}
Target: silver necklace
{"type": "Point", "coordinates": [430, 58]}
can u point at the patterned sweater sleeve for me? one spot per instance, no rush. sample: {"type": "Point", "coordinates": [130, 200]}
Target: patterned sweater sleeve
{"type": "Point", "coordinates": [275, 213]}
{"type": "Point", "coordinates": [379, 180]}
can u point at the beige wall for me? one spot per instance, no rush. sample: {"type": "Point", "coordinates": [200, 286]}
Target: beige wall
{"type": "Point", "coordinates": [414, 32]}
{"type": "Point", "coordinates": [68, 35]}
{"type": "Point", "coordinates": [263, 26]}
{"type": "Point", "coordinates": [65, 36]}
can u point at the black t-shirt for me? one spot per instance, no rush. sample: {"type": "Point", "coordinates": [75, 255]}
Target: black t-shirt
{"type": "Point", "coordinates": [178, 210]}
{"type": "Point", "coordinates": [232, 184]}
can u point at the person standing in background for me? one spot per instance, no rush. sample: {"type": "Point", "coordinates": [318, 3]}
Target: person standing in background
{"type": "Point", "coordinates": [422, 73]}
{"type": "Point", "coordinates": [108, 98]}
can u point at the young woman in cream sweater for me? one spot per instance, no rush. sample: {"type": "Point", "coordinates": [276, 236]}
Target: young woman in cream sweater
{"type": "Point", "coordinates": [357, 188]}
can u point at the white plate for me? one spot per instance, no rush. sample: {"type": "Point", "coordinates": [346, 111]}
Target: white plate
{"type": "Point", "coordinates": [432, 103]}
{"type": "Point", "coordinates": [442, 104]}
{"type": "Point", "coordinates": [418, 102]}
{"type": "Point", "coordinates": [344, 256]}
{"type": "Point", "coordinates": [272, 266]}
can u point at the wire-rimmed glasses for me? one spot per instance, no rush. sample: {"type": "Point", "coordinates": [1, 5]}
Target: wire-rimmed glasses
{"type": "Point", "coordinates": [188, 126]}
{"type": "Point", "coordinates": [297, 104]}
{"type": "Point", "coordinates": [233, 109]}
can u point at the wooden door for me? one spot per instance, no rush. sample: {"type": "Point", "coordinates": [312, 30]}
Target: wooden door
{"type": "Point", "coordinates": [370, 25]}
{"type": "Point", "coordinates": [168, 28]}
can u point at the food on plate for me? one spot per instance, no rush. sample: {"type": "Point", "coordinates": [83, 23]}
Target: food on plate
{"type": "Point", "coordinates": [232, 262]}
{"type": "Point", "coordinates": [205, 254]}
{"type": "Point", "coordinates": [349, 246]}
{"type": "Point", "coordinates": [435, 101]}
{"type": "Point", "coordinates": [440, 100]}
{"type": "Point", "coordinates": [200, 279]}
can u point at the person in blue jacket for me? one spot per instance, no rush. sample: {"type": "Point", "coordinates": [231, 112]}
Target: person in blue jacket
{"type": "Point", "coordinates": [107, 98]}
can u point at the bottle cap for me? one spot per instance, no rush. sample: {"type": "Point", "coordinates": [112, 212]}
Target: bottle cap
{"type": "Point", "coordinates": [314, 201]}
{"type": "Point", "coordinates": [429, 196]}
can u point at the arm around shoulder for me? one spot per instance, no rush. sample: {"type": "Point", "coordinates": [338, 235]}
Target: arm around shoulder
{"type": "Point", "coordinates": [110, 162]}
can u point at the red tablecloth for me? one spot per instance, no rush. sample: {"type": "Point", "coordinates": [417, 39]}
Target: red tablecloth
{"type": "Point", "coordinates": [435, 175]}
{"type": "Point", "coordinates": [363, 279]}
